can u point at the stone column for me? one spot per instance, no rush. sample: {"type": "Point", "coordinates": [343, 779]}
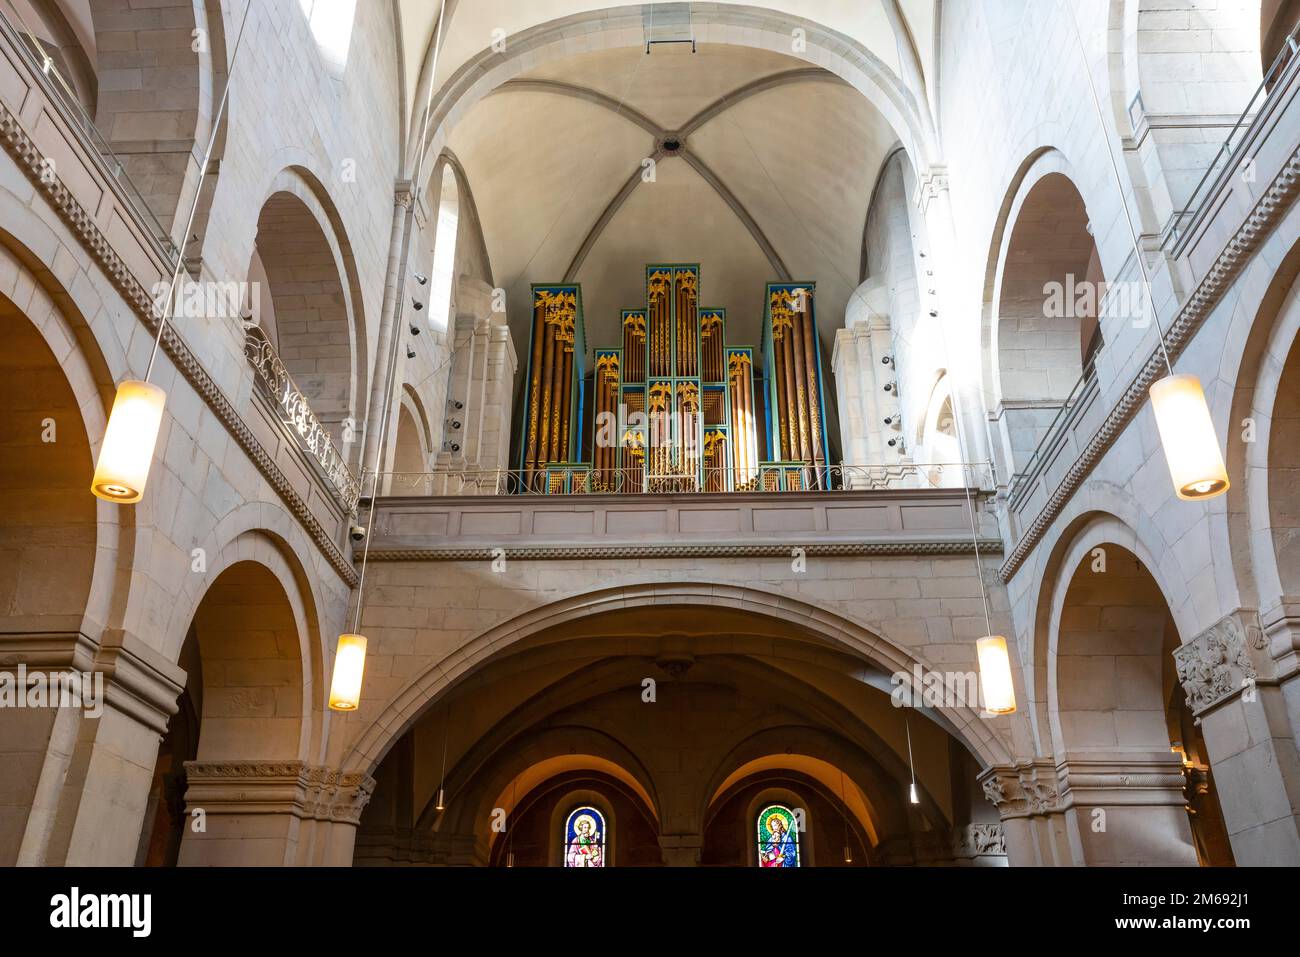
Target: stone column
{"type": "Point", "coordinates": [1027, 799]}
{"type": "Point", "coordinates": [860, 377]}
{"type": "Point", "coordinates": [681, 850]}
{"type": "Point", "coordinates": [386, 340]}
{"type": "Point", "coordinates": [1245, 701]}
{"type": "Point", "coordinates": [1126, 808]}
{"type": "Point", "coordinates": [482, 375]}
{"type": "Point", "coordinates": [271, 813]}
{"type": "Point", "coordinates": [77, 778]}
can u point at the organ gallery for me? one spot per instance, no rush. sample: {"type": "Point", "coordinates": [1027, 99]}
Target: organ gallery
{"type": "Point", "coordinates": [678, 406]}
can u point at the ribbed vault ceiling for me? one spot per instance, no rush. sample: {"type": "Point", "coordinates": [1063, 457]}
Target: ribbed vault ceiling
{"type": "Point", "coordinates": [772, 182]}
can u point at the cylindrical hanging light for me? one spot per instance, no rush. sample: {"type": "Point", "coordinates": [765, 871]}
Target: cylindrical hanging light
{"type": "Point", "coordinates": [995, 675]}
{"type": "Point", "coordinates": [349, 667]}
{"type": "Point", "coordinates": [1187, 435]}
{"type": "Point", "coordinates": [129, 440]}
{"type": "Point", "coordinates": [441, 803]}
{"type": "Point", "coordinates": [912, 796]}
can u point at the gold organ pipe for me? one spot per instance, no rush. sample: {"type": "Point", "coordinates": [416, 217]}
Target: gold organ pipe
{"type": "Point", "coordinates": [565, 408]}
{"type": "Point", "coordinates": [535, 389]}
{"type": "Point", "coordinates": [814, 385]}
{"type": "Point", "coordinates": [799, 350]}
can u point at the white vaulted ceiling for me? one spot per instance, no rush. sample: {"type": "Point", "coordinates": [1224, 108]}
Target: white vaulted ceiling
{"type": "Point", "coordinates": [471, 26]}
{"type": "Point", "coordinates": [770, 185]}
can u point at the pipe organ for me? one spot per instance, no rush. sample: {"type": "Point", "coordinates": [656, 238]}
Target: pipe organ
{"type": "Point", "coordinates": [798, 410]}
{"type": "Point", "coordinates": [675, 407]}
{"type": "Point", "coordinates": [553, 406]}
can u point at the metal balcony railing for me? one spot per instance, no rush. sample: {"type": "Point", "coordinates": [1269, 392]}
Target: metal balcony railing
{"type": "Point", "coordinates": [295, 411]}
{"type": "Point", "coordinates": [1225, 160]}
{"type": "Point", "coordinates": [568, 479]}
{"type": "Point", "coordinates": [22, 37]}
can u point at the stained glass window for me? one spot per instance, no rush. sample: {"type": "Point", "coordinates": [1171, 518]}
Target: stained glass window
{"type": "Point", "coordinates": [778, 837]}
{"type": "Point", "coordinates": [584, 838]}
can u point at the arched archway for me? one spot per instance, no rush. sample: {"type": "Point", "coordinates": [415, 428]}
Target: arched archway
{"type": "Point", "coordinates": [48, 540]}
{"type": "Point", "coordinates": [247, 709]}
{"type": "Point", "coordinates": [1048, 296]}
{"type": "Point", "coordinates": [1130, 760]}
{"type": "Point", "coordinates": [709, 673]}
{"type": "Point", "coordinates": [312, 322]}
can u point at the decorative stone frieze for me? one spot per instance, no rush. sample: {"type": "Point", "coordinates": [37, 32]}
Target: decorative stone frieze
{"type": "Point", "coordinates": [1222, 660]}
{"type": "Point", "coordinates": [979, 840]}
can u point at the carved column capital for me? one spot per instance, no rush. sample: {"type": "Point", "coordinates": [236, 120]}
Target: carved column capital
{"type": "Point", "coordinates": [1022, 790]}
{"type": "Point", "coordinates": [1221, 661]}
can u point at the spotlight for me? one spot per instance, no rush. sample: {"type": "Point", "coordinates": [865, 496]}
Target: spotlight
{"type": "Point", "coordinates": [455, 424]}
{"type": "Point", "coordinates": [416, 304]}
{"type": "Point", "coordinates": [891, 386]}
{"type": "Point", "coordinates": [410, 353]}
{"type": "Point", "coordinates": [358, 532]}
{"type": "Point", "coordinates": [457, 404]}
{"type": "Point", "coordinates": [886, 360]}
{"type": "Point", "coordinates": [415, 330]}
{"type": "Point", "coordinates": [422, 280]}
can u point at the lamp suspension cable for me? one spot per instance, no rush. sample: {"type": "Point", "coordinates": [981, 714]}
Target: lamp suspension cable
{"type": "Point", "coordinates": [441, 803]}
{"type": "Point", "coordinates": [844, 818]}
{"type": "Point", "coordinates": [1187, 433]}
{"type": "Point", "coordinates": [1119, 184]}
{"type": "Point", "coordinates": [131, 433]}
{"type": "Point", "coordinates": [350, 652]}
{"type": "Point", "coordinates": [912, 795]}
{"type": "Point", "coordinates": [198, 193]}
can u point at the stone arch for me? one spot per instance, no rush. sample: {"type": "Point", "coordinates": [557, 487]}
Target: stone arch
{"type": "Point", "coordinates": [622, 27]}
{"type": "Point", "coordinates": [1263, 516]}
{"type": "Point", "coordinates": [319, 327]}
{"type": "Point", "coordinates": [157, 95]}
{"type": "Point", "coordinates": [771, 750]}
{"type": "Point", "coordinates": [474, 792]}
{"type": "Point", "coordinates": [271, 539]}
{"type": "Point", "coordinates": [370, 745]}
{"type": "Point", "coordinates": [1116, 708]}
{"type": "Point", "coordinates": [412, 446]}
{"type": "Point", "coordinates": [1081, 527]}
{"type": "Point", "coordinates": [1044, 288]}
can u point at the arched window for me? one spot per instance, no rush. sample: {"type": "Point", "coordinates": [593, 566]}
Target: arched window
{"type": "Point", "coordinates": [331, 24]}
{"type": "Point", "coordinates": [584, 838]}
{"type": "Point", "coordinates": [778, 837]}
{"type": "Point", "coordinates": [444, 251]}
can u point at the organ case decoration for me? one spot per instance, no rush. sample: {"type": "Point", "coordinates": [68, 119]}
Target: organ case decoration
{"type": "Point", "coordinates": [554, 397]}
{"type": "Point", "coordinates": [797, 443]}
{"type": "Point", "coordinates": [675, 407]}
